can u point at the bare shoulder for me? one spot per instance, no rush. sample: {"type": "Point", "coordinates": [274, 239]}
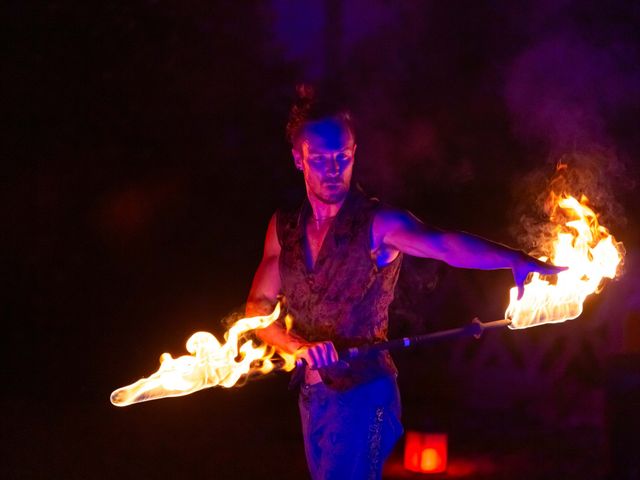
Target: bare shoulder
{"type": "Point", "coordinates": [389, 219]}
{"type": "Point", "coordinates": [271, 242]}
{"type": "Point", "coordinates": [390, 222]}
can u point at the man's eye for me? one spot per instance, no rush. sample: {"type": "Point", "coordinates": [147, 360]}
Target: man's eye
{"type": "Point", "coordinates": [343, 157]}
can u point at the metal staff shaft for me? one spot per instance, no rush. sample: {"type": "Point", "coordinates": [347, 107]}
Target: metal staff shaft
{"type": "Point", "coordinates": [474, 329]}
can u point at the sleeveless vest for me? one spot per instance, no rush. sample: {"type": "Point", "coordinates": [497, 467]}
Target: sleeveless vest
{"type": "Point", "coordinates": [345, 297]}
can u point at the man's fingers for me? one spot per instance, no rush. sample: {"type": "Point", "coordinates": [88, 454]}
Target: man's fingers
{"type": "Point", "coordinates": [522, 270]}
{"type": "Point", "coordinates": [314, 357]}
{"type": "Point", "coordinates": [334, 354]}
{"type": "Point", "coordinates": [319, 355]}
{"type": "Point", "coordinates": [546, 268]}
{"type": "Point", "coordinates": [520, 279]}
{"type": "Point", "coordinates": [552, 269]}
{"type": "Point", "coordinates": [322, 356]}
{"type": "Point", "coordinates": [330, 354]}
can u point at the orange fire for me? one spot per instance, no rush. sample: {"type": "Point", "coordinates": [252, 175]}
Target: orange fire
{"type": "Point", "coordinates": [208, 365]}
{"type": "Point", "coordinates": [580, 243]}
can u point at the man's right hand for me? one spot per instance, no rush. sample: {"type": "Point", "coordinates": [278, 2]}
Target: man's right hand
{"type": "Point", "coordinates": [318, 355]}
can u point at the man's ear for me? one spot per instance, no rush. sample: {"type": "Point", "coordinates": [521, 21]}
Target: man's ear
{"type": "Point", "coordinates": [354, 149]}
{"type": "Point", "coordinates": [297, 158]}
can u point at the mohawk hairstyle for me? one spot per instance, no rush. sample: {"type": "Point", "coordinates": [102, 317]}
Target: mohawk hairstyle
{"type": "Point", "coordinates": [309, 107]}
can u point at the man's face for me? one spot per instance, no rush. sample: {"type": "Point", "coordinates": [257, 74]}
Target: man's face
{"type": "Point", "coordinates": [325, 154]}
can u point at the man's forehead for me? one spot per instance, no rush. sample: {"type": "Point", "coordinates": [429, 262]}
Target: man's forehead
{"type": "Point", "coordinates": [327, 135]}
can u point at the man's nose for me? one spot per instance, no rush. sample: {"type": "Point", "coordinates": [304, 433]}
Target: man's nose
{"type": "Point", "coordinates": [333, 167]}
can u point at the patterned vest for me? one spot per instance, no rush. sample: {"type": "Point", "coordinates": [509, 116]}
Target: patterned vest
{"type": "Point", "coordinates": [345, 297]}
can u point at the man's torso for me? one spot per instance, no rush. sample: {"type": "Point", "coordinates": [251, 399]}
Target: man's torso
{"type": "Point", "coordinates": [332, 283]}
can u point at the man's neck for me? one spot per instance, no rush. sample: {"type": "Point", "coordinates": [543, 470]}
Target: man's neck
{"type": "Point", "coordinates": [322, 211]}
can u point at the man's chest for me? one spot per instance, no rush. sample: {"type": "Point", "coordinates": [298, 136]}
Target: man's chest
{"type": "Point", "coordinates": [315, 236]}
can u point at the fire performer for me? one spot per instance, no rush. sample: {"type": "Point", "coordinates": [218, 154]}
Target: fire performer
{"type": "Point", "coordinates": [334, 262]}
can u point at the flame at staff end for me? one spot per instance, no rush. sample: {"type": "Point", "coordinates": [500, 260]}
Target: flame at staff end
{"type": "Point", "coordinates": [208, 365]}
{"type": "Point", "coordinates": [580, 243]}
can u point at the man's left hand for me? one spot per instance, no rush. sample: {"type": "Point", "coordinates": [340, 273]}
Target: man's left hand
{"type": "Point", "coordinates": [525, 264]}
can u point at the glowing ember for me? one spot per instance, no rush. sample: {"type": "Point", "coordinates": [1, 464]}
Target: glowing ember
{"type": "Point", "coordinates": [209, 364]}
{"type": "Point", "coordinates": [581, 244]}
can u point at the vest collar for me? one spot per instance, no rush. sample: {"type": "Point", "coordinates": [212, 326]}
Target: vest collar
{"type": "Point", "coordinates": [341, 224]}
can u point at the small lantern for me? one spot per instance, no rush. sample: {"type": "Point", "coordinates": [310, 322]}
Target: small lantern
{"type": "Point", "coordinates": [425, 452]}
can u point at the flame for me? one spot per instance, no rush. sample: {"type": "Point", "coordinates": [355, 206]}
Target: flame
{"type": "Point", "coordinates": [581, 244]}
{"type": "Point", "coordinates": [209, 364]}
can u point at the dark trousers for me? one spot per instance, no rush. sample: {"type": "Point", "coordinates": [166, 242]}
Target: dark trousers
{"type": "Point", "coordinates": [348, 435]}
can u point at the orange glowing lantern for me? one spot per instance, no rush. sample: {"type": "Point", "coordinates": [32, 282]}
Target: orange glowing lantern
{"type": "Point", "coordinates": [425, 452]}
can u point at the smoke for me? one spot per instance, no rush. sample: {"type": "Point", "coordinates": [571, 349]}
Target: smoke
{"type": "Point", "coordinates": [446, 98]}
{"type": "Point", "coordinates": [565, 95]}
{"type": "Point", "coordinates": [564, 92]}
{"type": "Point", "coordinates": [595, 174]}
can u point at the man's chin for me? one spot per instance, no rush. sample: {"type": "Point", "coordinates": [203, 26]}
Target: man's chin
{"type": "Point", "coordinates": [331, 196]}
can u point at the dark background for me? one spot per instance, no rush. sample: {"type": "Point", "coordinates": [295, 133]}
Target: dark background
{"type": "Point", "coordinates": [144, 153]}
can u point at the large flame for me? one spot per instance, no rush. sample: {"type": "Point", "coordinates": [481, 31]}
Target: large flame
{"type": "Point", "coordinates": [209, 364]}
{"type": "Point", "coordinates": [581, 244]}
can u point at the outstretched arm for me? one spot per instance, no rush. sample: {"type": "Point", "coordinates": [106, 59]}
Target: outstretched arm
{"type": "Point", "coordinates": [401, 231]}
{"type": "Point", "coordinates": [262, 299]}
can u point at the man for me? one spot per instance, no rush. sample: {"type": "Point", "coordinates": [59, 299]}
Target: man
{"type": "Point", "coordinates": [336, 260]}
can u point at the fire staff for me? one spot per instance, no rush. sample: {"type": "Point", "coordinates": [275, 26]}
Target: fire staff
{"type": "Point", "coordinates": [335, 261]}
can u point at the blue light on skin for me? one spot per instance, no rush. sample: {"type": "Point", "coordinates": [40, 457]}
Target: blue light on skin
{"type": "Point", "coordinates": [325, 154]}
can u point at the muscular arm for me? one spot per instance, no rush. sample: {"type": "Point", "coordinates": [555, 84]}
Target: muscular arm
{"type": "Point", "coordinates": [262, 299]}
{"type": "Point", "coordinates": [400, 231]}
{"type": "Point", "coordinates": [264, 294]}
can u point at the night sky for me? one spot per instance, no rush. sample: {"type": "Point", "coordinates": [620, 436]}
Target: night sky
{"type": "Point", "coordinates": [144, 153]}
